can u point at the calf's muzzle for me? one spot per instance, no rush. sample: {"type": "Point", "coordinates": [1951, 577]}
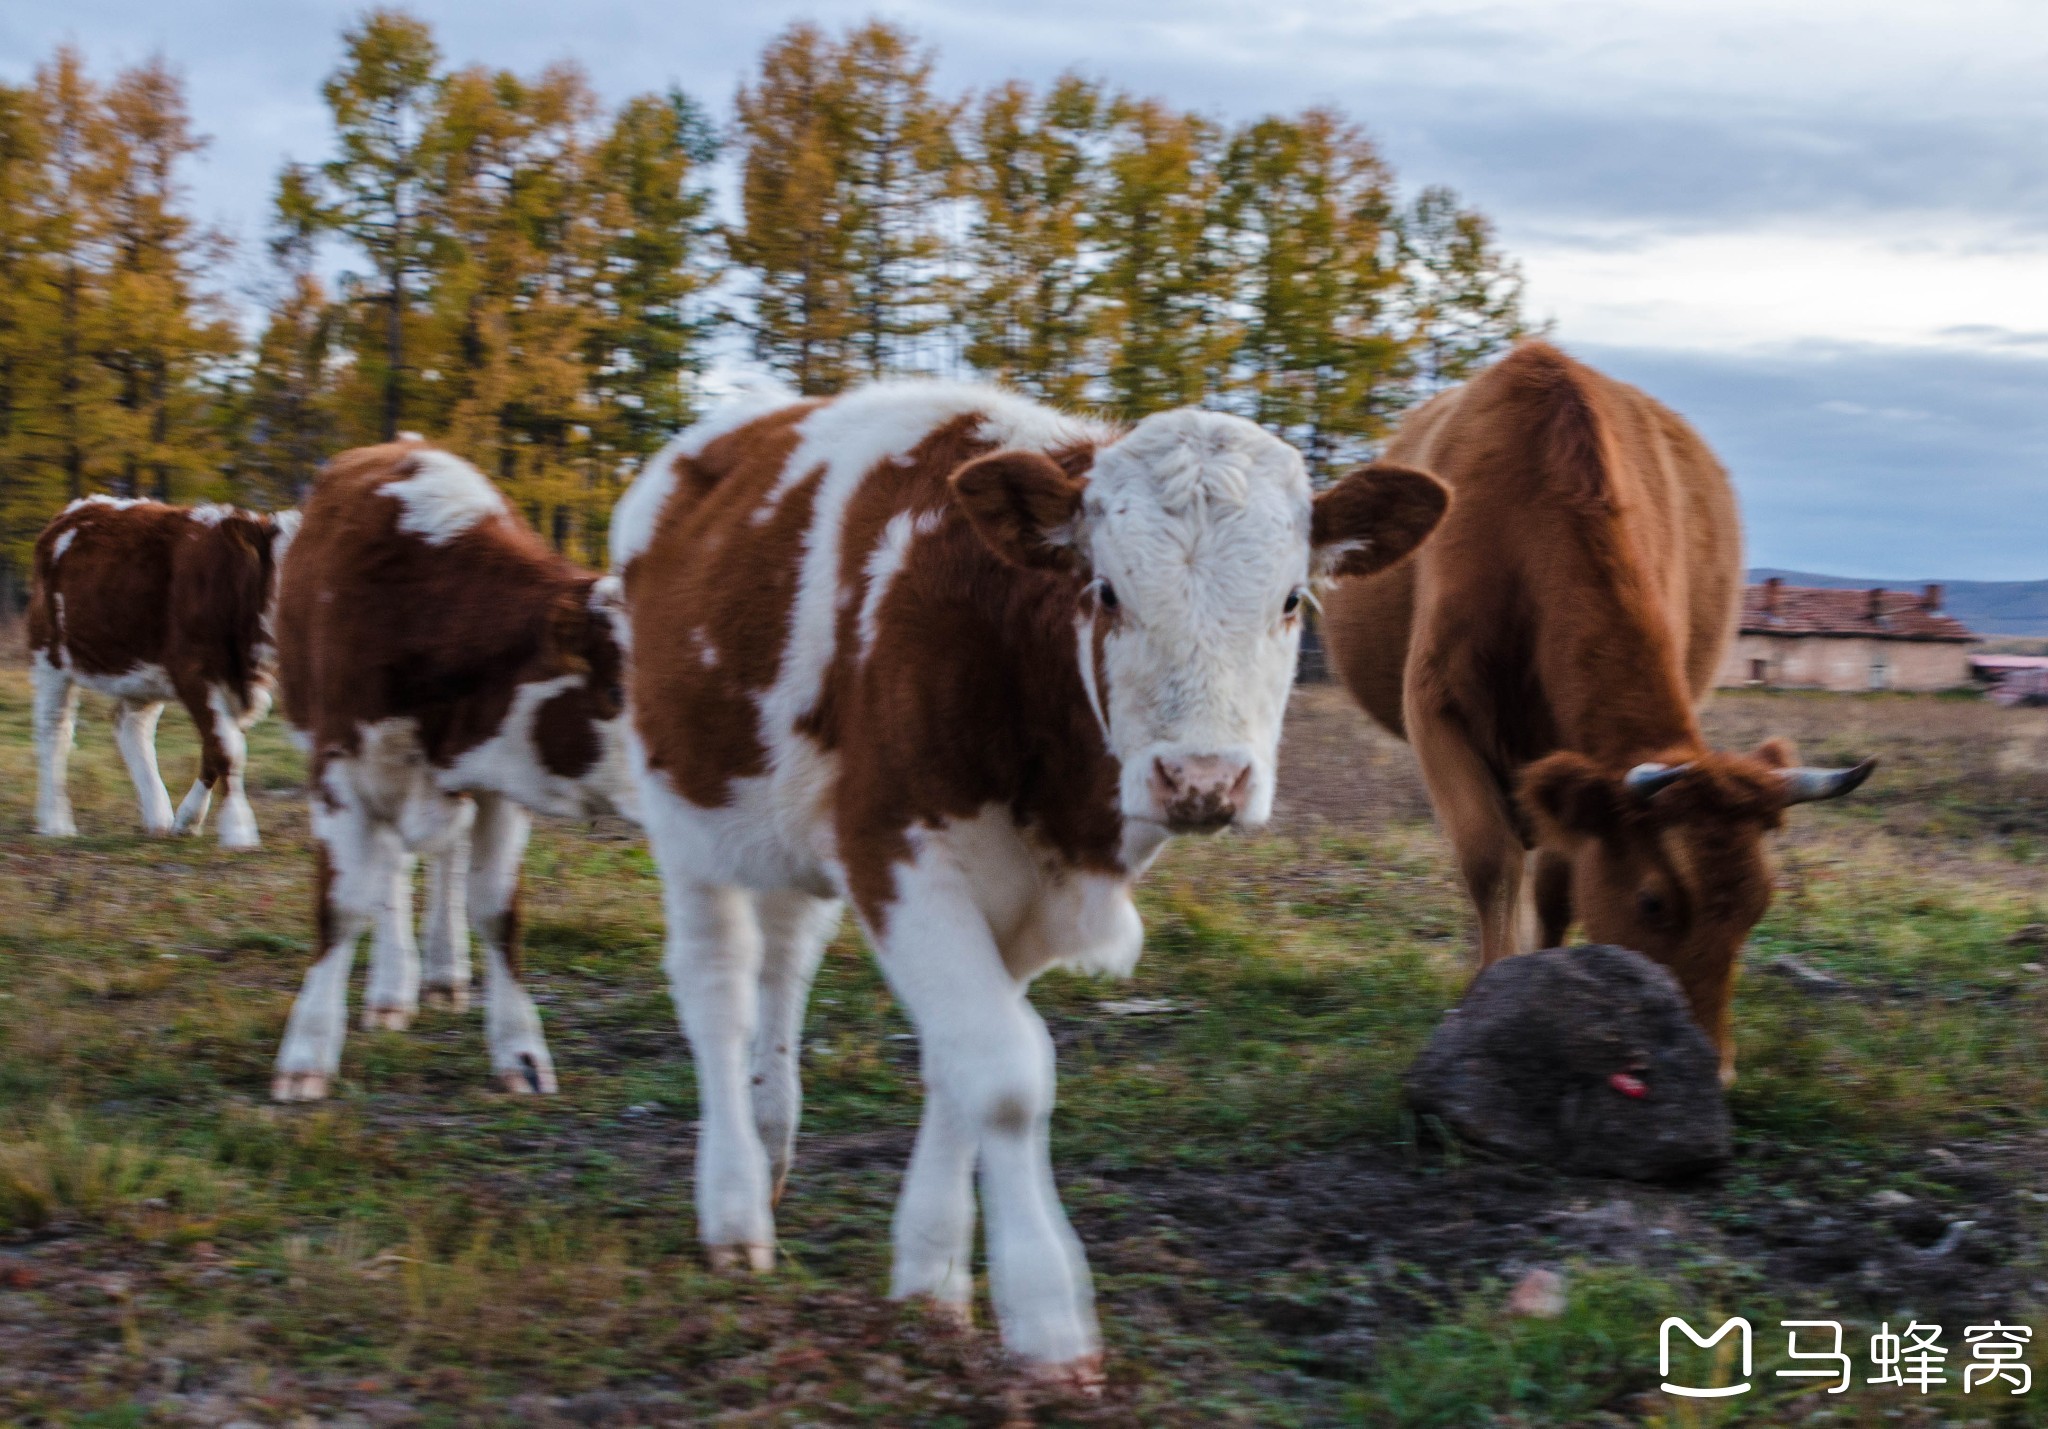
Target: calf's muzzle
{"type": "Point", "coordinates": [1201, 791]}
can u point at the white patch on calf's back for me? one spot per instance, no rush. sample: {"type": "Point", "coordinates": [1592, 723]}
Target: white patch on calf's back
{"type": "Point", "coordinates": [883, 562]}
{"type": "Point", "coordinates": [210, 513]}
{"type": "Point", "coordinates": [62, 544]}
{"type": "Point", "coordinates": [117, 503]}
{"type": "Point", "coordinates": [638, 511]}
{"type": "Point", "coordinates": [443, 497]}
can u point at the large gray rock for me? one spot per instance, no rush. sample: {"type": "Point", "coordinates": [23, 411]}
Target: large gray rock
{"type": "Point", "coordinates": [1586, 1059]}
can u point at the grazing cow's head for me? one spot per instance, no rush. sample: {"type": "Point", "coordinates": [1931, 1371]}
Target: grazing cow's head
{"type": "Point", "coordinates": [579, 724]}
{"type": "Point", "coordinates": [1197, 538]}
{"type": "Point", "coordinates": [1669, 858]}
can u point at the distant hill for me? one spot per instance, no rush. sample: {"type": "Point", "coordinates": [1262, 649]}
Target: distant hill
{"type": "Point", "coordinates": [2000, 609]}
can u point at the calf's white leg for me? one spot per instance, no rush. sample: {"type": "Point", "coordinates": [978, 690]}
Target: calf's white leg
{"type": "Point", "coordinates": [519, 1052]}
{"type": "Point", "coordinates": [358, 860]}
{"type": "Point", "coordinates": [392, 994]}
{"type": "Point", "coordinates": [713, 960]}
{"type": "Point", "coordinates": [56, 723]}
{"type": "Point", "coordinates": [444, 931]}
{"type": "Point", "coordinates": [794, 930]}
{"type": "Point", "coordinates": [224, 757]}
{"type": "Point", "coordinates": [988, 1057]}
{"type": "Point", "coordinates": [135, 736]}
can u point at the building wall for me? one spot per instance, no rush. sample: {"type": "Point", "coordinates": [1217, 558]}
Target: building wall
{"type": "Point", "coordinates": [1844, 662]}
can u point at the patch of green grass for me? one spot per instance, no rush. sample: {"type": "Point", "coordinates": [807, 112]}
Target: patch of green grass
{"type": "Point", "coordinates": [451, 1247]}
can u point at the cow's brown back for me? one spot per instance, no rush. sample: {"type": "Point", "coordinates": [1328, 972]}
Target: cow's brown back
{"type": "Point", "coordinates": [1584, 583]}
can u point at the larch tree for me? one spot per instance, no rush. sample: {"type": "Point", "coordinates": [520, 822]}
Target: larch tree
{"type": "Point", "coordinates": [655, 251]}
{"type": "Point", "coordinates": [382, 101]}
{"type": "Point", "coordinates": [30, 486]}
{"type": "Point", "coordinates": [1163, 273]}
{"type": "Point", "coordinates": [1031, 176]}
{"type": "Point", "coordinates": [1312, 215]}
{"type": "Point", "coordinates": [894, 144]}
{"type": "Point", "coordinates": [164, 333]}
{"type": "Point", "coordinates": [794, 232]}
{"type": "Point", "coordinates": [1462, 294]}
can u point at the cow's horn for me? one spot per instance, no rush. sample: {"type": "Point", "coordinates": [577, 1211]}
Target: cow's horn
{"type": "Point", "coordinates": [1646, 779]}
{"type": "Point", "coordinates": [1803, 786]}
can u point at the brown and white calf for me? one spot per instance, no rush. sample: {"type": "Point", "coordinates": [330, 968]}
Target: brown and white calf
{"type": "Point", "coordinates": [147, 603]}
{"type": "Point", "coordinates": [964, 662]}
{"type": "Point", "coordinates": [448, 673]}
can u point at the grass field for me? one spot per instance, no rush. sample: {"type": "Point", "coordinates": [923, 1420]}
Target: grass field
{"type": "Point", "coordinates": [1273, 1242]}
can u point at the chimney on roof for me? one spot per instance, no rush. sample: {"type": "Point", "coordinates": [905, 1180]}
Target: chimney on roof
{"type": "Point", "coordinates": [1876, 609]}
{"type": "Point", "coordinates": [1772, 586]}
{"type": "Point", "coordinates": [1930, 598]}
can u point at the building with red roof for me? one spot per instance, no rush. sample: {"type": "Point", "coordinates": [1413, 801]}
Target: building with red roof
{"type": "Point", "coordinates": [1804, 637]}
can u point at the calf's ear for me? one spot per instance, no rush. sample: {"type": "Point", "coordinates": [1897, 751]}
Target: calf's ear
{"type": "Point", "coordinates": [1373, 517]}
{"type": "Point", "coordinates": [1025, 507]}
{"type": "Point", "coordinates": [1569, 798]}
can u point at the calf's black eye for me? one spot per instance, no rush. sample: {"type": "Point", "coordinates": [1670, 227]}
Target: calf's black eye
{"type": "Point", "coordinates": [1293, 603]}
{"type": "Point", "coordinates": [1105, 595]}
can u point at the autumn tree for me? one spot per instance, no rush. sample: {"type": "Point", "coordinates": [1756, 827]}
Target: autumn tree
{"type": "Point", "coordinates": [382, 101]}
{"type": "Point", "coordinates": [847, 160]}
{"type": "Point", "coordinates": [163, 332]}
{"type": "Point", "coordinates": [287, 423]}
{"type": "Point", "coordinates": [1032, 177]}
{"type": "Point", "coordinates": [656, 255]}
{"type": "Point", "coordinates": [1462, 296]}
{"type": "Point", "coordinates": [1311, 214]}
{"type": "Point", "coordinates": [794, 234]}
{"type": "Point", "coordinates": [1163, 276]}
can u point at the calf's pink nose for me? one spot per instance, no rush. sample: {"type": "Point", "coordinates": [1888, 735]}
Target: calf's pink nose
{"type": "Point", "coordinates": [1200, 791]}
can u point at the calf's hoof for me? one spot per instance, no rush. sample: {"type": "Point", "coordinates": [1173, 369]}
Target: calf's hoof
{"type": "Point", "coordinates": [1081, 1377]}
{"type": "Point", "coordinates": [445, 997]}
{"type": "Point", "coordinates": [386, 1019]}
{"type": "Point", "coordinates": [529, 1078]}
{"type": "Point", "coordinates": [298, 1087]}
{"type": "Point", "coordinates": [64, 828]}
{"type": "Point", "coordinates": [731, 1259]}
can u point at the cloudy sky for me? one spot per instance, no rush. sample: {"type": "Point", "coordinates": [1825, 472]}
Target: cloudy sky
{"type": "Point", "coordinates": [1819, 230]}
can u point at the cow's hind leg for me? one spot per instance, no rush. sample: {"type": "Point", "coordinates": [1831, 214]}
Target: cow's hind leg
{"type": "Point", "coordinates": [135, 736]}
{"type": "Point", "coordinates": [223, 757]}
{"type": "Point", "coordinates": [444, 931]}
{"type": "Point", "coordinates": [714, 962]}
{"type": "Point", "coordinates": [519, 1052]}
{"type": "Point", "coordinates": [357, 861]}
{"type": "Point", "coordinates": [988, 1057]}
{"type": "Point", "coordinates": [56, 724]}
{"type": "Point", "coordinates": [794, 930]}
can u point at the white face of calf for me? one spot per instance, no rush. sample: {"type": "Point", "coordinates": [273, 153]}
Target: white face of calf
{"type": "Point", "coordinates": [1198, 537]}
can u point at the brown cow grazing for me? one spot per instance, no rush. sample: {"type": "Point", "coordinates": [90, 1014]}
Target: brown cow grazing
{"type": "Point", "coordinates": [1545, 654]}
{"type": "Point", "coordinates": [146, 603]}
{"type": "Point", "coordinates": [448, 673]}
{"type": "Point", "coordinates": [964, 662]}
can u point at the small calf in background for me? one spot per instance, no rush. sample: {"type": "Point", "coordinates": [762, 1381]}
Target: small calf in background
{"type": "Point", "coordinates": [448, 673]}
{"type": "Point", "coordinates": [146, 603]}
